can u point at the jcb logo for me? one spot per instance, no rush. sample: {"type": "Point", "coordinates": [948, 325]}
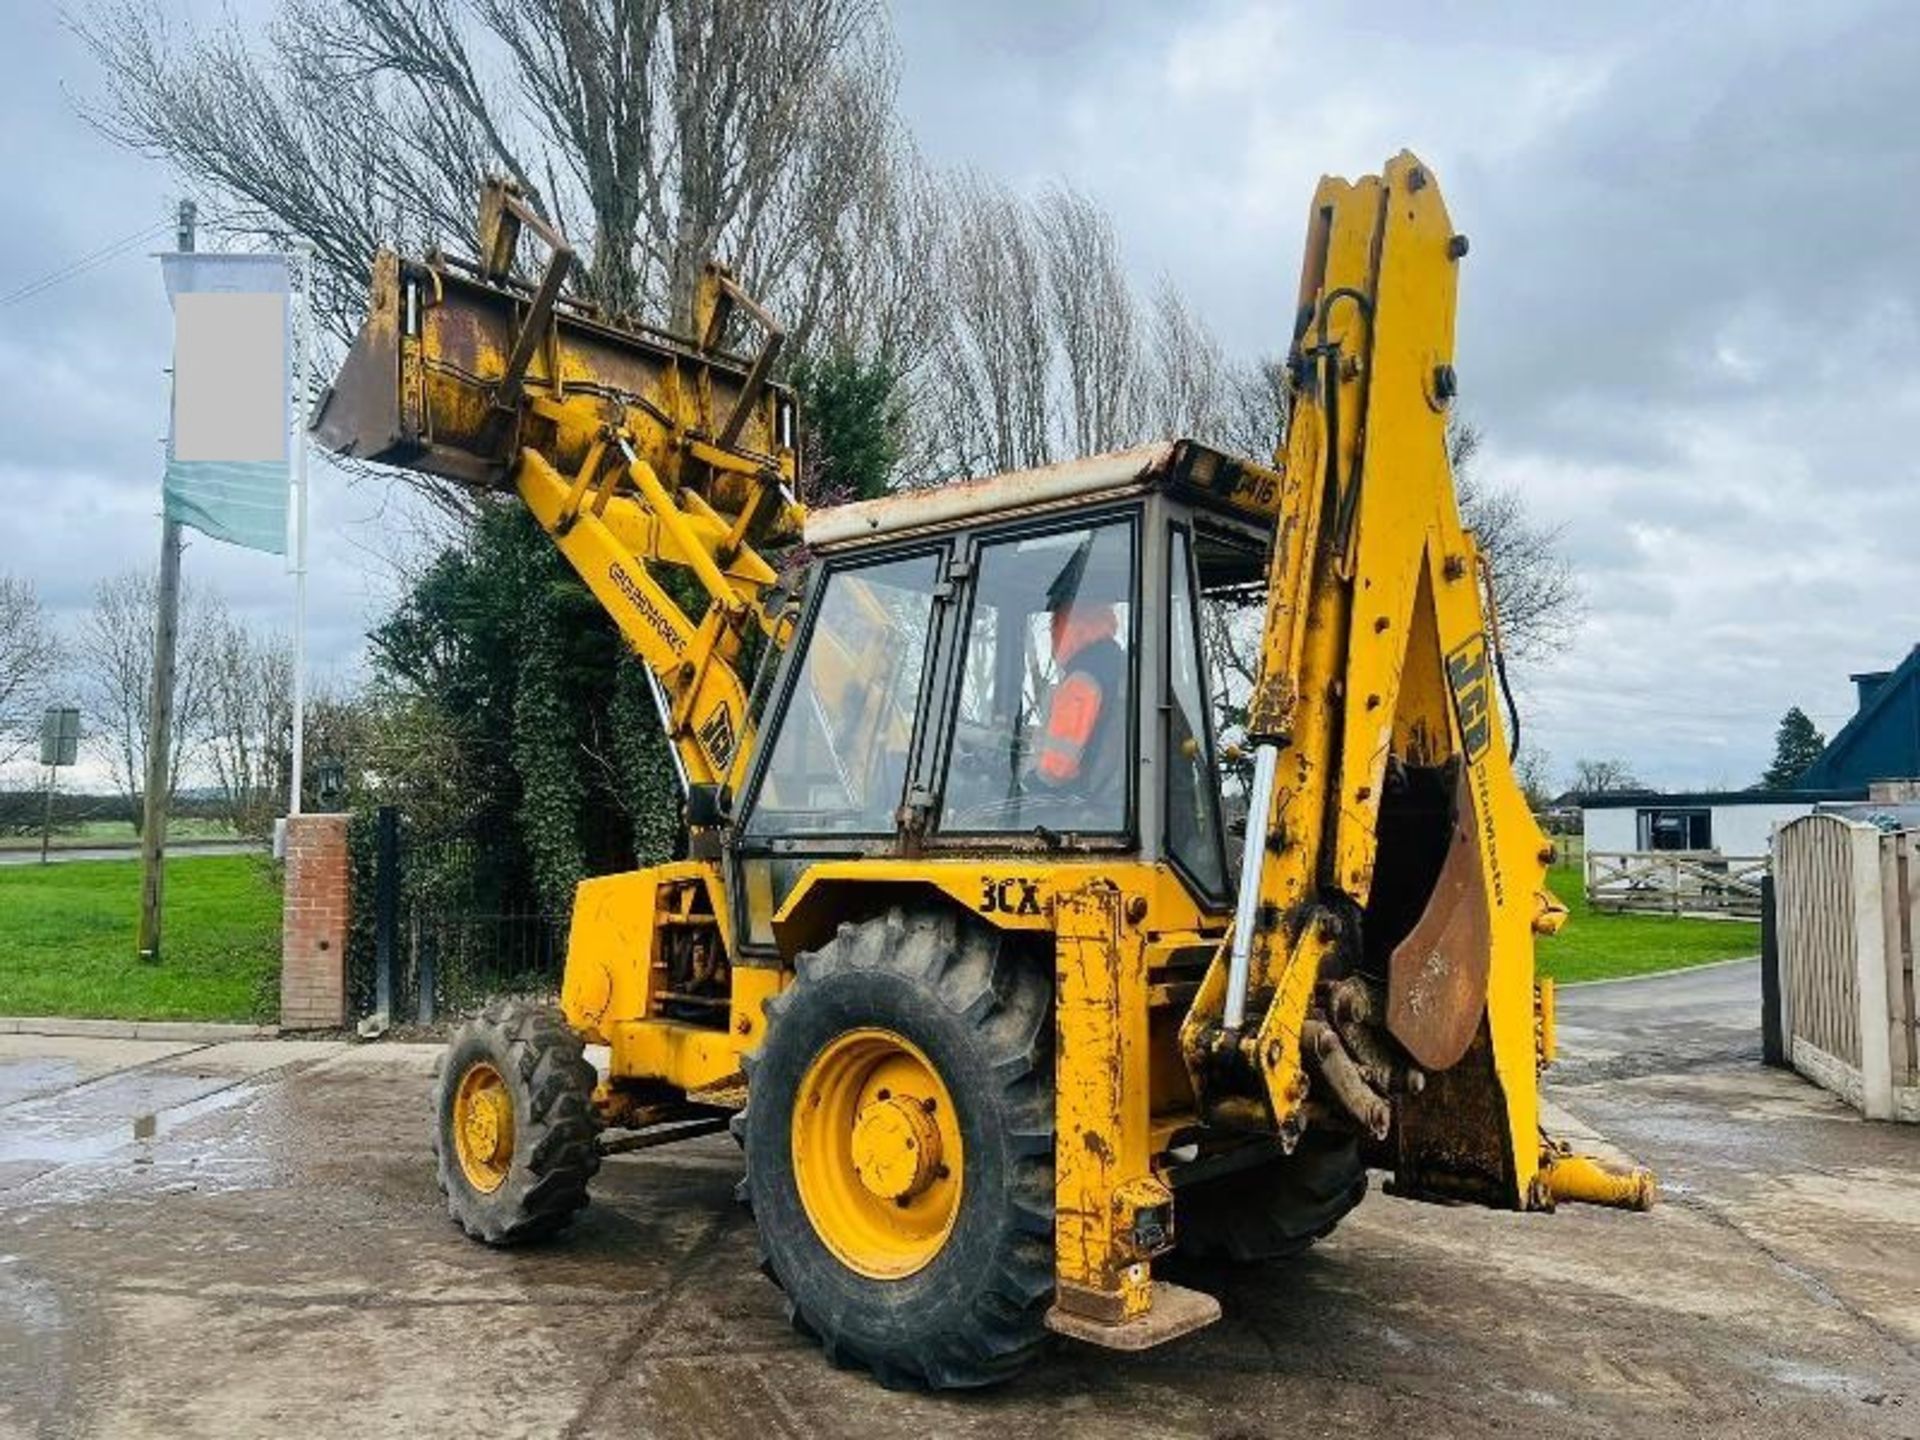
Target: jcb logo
{"type": "Point", "coordinates": [1261, 492]}
{"type": "Point", "coordinates": [716, 736]}
{"type": "Point", "coordinates": [1011, 896]}
{"type": "Point", "coordinates": [1472, 695]}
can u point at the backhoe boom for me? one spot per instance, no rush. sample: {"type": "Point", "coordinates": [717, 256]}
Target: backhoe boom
{"type": "Point", "coordinates": [1381, 964]}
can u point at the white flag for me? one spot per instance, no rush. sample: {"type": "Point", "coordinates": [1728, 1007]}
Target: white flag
{"type": "Point", "coordinates": [227, 458]}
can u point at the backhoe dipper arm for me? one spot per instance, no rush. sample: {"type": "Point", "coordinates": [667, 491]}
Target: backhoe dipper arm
{"type": "Point", "coordinates": [1380, 975]}
{"type": "Point", "coordinates": [638, 452]}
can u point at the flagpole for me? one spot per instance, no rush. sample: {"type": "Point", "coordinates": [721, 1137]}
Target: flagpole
{"type": "Point", "coordinates": [304, 323]}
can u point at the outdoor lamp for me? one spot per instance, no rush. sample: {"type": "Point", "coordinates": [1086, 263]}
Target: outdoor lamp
{"type": "Point", "coordinates": [329, 780]}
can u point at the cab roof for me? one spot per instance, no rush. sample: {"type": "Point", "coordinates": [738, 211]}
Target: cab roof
{"type": "Point", "coordinates": [1206, 476]}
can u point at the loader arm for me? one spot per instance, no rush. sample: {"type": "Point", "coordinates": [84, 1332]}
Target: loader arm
{"type": "Point", "coordinates": [1380, 974]}
{"type": "Point", "coordinates": [642, 454]}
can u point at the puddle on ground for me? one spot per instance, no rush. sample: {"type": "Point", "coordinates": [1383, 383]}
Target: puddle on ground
{"type": "Point", "coordinates": [52, 1142]}
{"type": "Point", "coordinates": [29, 1079]}
{"type": "Point", "coordinates": [1821, 1381]}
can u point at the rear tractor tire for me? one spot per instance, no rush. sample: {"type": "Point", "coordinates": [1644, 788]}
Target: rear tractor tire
{"type": "Point", "coordinates": [514, 1134]}
{"type": "Point", "coordinates": [1272, 1210]}
{"type": "Point", "coordinates": [899, 1150]}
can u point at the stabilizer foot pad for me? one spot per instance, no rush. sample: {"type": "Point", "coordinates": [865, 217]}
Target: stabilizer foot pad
{"type": "Point", "coordinates": [1175, 1311]}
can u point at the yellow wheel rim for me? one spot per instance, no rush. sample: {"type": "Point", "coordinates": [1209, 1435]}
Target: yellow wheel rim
{"type": "Point", "coordinates": [483, 1127]}
{"type": "Point", "coordinates": [876, 1153]}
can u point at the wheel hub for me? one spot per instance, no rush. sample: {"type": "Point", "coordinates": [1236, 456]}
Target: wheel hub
{"type": "Point", "coordinates": [877, 1154]}
{"type": "Point", "coordinates": [483, 1127]}
{"type": "Point", "coordinates": [896, 1147]}
{"type": "Point", "coordinates": [487, 1127]}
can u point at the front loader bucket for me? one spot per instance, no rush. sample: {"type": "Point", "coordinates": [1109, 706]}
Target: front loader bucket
{"type": "Point", "coordinates": [455, 374]}
{"type": "Point", "coordinates": [361, 412]}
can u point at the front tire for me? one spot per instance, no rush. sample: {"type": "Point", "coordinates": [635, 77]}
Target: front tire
{"type": "Point", "coordinates": [899, 1149]}
{"type": "Point", "coordinates": [515, 1138]}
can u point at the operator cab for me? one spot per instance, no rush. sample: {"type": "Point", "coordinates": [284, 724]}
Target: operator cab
{"type": "Point", "coordinates": [1012, 665]}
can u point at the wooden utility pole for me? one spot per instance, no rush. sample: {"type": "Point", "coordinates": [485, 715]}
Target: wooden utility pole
{"type": "Point", "coordinates": [166, 634]}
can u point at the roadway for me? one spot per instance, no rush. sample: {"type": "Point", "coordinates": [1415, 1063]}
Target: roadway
{"type": "Point", "coordinates": [180, 850]}
{"type": "Point", "coordinates": [244, 1239]}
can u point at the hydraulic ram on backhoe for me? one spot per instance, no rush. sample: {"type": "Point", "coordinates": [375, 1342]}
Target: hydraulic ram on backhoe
{"type": "Point", "coordinates": [958, 926]}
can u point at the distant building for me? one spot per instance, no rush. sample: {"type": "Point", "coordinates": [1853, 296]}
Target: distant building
{"type": "Point", "coordinates": [1733, 822]}
{"type": "Point", "coordinates": [1882, 740]}
{"type": "Point", "coordinates": [1867, 772]}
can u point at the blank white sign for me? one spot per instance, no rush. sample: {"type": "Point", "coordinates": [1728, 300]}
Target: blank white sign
{"type": "Point", "coordinates": [230, 377]}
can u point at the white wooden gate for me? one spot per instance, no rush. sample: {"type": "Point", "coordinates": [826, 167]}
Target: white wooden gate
{"type": "Point", "coordinates": [1675, 882]}
{"type": "Point", "coordinates": [1847, 902]}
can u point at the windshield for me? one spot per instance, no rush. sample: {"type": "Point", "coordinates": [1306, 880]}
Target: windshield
{"type": "Point", "coordinates": [839, 762]}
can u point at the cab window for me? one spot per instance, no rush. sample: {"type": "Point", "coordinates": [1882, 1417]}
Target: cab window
{"type": "Point", "coordinates": [1194, 839]}
{"type": "Point", "coordinates": [1042, 732]}
{"type": "Point", "coordinates": [838, 765]}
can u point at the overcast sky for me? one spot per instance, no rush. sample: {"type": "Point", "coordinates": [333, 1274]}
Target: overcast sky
{"type": "Point", "coordinates": [1688, 324]}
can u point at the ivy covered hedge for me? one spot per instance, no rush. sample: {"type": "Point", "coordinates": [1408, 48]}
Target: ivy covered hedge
{"type": "Point", "coordinates": [514, 729]}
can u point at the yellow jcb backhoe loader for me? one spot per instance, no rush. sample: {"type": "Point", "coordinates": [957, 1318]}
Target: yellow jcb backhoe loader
{"type": "Point", "coordinates": [959, 949]}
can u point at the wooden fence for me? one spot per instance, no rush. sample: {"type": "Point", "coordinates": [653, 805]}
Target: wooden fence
{"type": "Point", "coordinates": [1675, 882]}
{"type": "Point", "coordinates": [1847, 908]}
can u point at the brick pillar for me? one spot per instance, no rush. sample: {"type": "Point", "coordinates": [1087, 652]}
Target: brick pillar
{"type": "Point", "coordinates": [313, 943]}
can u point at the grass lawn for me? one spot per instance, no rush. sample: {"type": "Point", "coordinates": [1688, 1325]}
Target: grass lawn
{"type": "Point", "coordinates": [1605, 947]}
{"type": "Point", "coordinates": [67, 941]}
{"type": "Point", "coordinates": [67, 937]}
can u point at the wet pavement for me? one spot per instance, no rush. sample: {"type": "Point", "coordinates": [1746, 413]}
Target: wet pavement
{"type": "Point", "coordinates": [244, 1239]}
{"type": "Point", "coordinates": [179, 850]}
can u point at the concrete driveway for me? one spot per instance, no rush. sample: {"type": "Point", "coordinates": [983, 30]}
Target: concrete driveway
{"type": "Point", "coordinates": [244, 1239]}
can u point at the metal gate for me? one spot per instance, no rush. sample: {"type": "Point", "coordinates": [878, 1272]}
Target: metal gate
{"type": "Point", "coordinates": [440, 937]}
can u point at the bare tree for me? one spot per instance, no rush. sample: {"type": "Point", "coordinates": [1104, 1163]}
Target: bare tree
{"type": "Point", "coordinates": [115, 655]}
{"type": "Point", "coordinates": [1253, 422]}
{"type": "Point", "coordinates": [1045, 350]}
{"type": "Point", "coordinates": [248, 722]}
{"type": "Point", "coordinates": [660, 134]}
{"type": "Point", "coordinates": [1532, 767]}
{"type": "Point", "coordinates": [1189, 385]}
{"type": "Point", "coordinates": [1091, 309]}
{"type": "Point", "coordinates": [873, 295]}
{"type": "Point", "coordinates": [1603, 777]}
{"type": "Point", "coordinates": [29, 659]}
{"type": "Point", "coordinates": [1537, 595]}
{"type": "Point", "coordinates": [994, 355]}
